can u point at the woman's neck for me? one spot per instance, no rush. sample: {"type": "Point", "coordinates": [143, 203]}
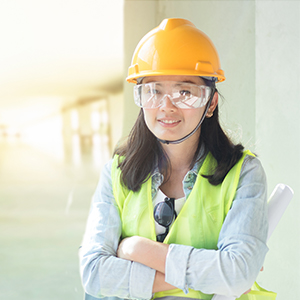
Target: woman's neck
{"type": "Point", "coordinates": [181, 155]}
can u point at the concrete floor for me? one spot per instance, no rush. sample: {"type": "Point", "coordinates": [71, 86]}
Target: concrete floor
{"type": "Point", "coordinates": [44, 203]}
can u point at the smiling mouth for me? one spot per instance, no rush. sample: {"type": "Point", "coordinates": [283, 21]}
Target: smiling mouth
{"type": "Point", "coordinates": [169, 121]}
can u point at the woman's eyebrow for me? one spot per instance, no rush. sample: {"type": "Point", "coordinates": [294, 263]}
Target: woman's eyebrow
{"type": "Point", "coordinates": [185, 81]}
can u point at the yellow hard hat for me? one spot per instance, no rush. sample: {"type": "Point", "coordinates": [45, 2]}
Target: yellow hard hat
{"type": "Point", "coordinates": [175, 47]}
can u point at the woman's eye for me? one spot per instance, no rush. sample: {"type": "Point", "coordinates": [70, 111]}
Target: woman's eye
{"type": "Point", "coordinates": [150, 91]}
{"type": "Point", "coordinates": [185, 93]}
{"type": "Point", "coordinates": [155, 92]}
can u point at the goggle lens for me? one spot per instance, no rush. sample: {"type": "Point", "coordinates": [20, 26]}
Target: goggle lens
{"type": "Point", "coordinates": [183, 95]}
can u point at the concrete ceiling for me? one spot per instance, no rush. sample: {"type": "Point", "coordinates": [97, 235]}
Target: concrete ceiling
{"type": "Point", "coordinates": [53, 52]}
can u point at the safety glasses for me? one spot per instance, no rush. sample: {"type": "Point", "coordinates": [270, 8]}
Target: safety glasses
{"type": "Point", "coordinates": [183, 95]}
{"type": "Point", "coordinates": [164, 214]}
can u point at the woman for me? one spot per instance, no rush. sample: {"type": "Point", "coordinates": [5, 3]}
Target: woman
{"type": "Point", "coordinates": [180, 211]}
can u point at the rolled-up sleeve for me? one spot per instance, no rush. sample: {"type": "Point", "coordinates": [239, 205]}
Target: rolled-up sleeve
{"type": "Point", "coordinates": [103, 274]}
{"type": "Point", "coordinates": [233, 268]}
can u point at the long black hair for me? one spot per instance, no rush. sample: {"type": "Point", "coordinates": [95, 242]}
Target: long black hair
{"type": "Point", "coordinates": [142, 152]}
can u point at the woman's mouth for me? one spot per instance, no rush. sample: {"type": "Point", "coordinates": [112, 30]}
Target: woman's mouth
{"type": "Point", "coordinates": [169, 122]}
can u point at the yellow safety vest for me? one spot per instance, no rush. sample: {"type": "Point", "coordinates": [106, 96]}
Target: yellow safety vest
{"type": "Point", "coordinates": [199, 222]}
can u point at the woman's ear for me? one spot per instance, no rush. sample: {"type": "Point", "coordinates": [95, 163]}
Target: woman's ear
{"type": "Point", "coordinates": [213, 105]}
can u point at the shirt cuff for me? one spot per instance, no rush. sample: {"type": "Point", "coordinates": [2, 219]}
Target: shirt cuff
{"type": "Point", "coordinates": [141, 281]}
{"type": "Point", "coordinates": [176, 266]}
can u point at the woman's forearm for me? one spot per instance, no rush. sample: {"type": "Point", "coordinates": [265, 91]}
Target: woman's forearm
{"type": "Point", "coordinates": [160, 284]}
{"type": "Point", "coordinates": [147, 252]}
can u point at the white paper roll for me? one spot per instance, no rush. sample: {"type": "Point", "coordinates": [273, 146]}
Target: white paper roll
{"type": "Point", "coordinates": [277, 204]}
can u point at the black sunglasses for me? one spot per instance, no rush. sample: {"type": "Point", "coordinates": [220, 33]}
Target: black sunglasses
{"type": "Point", "coordinates": [164, 213]}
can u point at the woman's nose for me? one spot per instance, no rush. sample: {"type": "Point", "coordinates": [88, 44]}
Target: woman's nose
{"type": "Point", "coordinates": [167, 104]}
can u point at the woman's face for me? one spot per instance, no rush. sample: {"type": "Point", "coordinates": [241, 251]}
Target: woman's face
{"type": "Point", "coordinates": [169, 122]}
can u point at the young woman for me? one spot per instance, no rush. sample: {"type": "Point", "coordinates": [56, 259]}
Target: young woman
{"type": "Point", "coordinates": [180, 211]}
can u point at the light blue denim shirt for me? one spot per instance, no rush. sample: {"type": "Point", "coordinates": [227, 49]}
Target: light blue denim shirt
{"type": "Point", "coordinates": [230, 270]}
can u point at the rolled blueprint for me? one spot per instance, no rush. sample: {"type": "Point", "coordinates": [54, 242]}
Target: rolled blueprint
{"type": "Point", "coordinates": [277, 204]}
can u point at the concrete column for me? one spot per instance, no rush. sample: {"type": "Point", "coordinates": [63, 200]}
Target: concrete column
{"type": "Point", "coordinates": [139, 18]}
{"type": "Point", "coordinates": [277, 27]}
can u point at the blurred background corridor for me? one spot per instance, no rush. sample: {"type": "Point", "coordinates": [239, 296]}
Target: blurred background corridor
{"type": "Point", "coordinates": [61, 86]}
{"type": "Point", "coordinates": [65, 104]}
{"type": "Point", "coordinates": [44, 205]}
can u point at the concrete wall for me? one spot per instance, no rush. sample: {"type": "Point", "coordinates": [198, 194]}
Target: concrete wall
{"type": "Point", "coordinates": [277, 130]}
{"type": "Point", "coordinates": [258, 44]}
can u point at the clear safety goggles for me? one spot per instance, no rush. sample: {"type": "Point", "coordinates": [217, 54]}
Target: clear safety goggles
{"type": "Point", "coordinates": [183, 95]}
